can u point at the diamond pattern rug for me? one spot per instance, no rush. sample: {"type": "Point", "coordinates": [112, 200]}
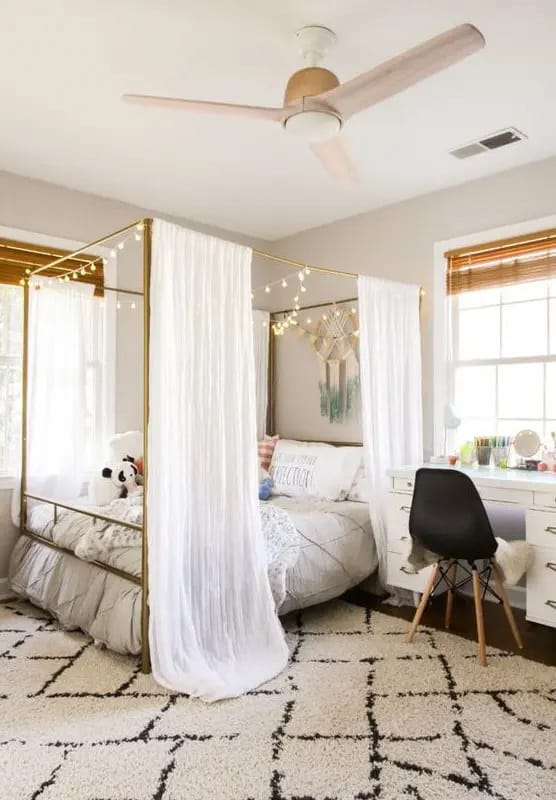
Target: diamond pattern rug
{"type": "Point", "coordinates": [358, 714]}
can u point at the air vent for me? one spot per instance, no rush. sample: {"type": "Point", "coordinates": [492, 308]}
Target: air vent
{"type": "Point", "coordinates": [491, 142]}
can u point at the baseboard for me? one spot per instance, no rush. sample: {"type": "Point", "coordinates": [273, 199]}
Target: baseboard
{"type": "Point", "coordinates": [516, 595]}
{"type": "Point", "coordinates": [5, 591]}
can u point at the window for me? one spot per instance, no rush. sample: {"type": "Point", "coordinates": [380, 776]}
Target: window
{"type": "Point", "coordinates": [17, 259]}
{"type": "Point", "coordinates": [11, 310]}
{"type": "Point", "coordinates": [503, 338]}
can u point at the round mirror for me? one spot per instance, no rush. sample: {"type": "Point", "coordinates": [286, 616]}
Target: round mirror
{"type": "Point", "coordinates": [527, 443]}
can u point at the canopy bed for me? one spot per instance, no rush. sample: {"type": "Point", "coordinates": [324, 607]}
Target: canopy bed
{"type": "Point", "coordinates": [111, 569]}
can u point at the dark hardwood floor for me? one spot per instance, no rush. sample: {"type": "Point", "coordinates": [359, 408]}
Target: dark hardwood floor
{"type": "Point", "coordinates": [539, 641]}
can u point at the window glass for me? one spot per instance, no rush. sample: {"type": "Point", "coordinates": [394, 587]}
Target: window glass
{"type": "Point", "coordinates": [524, 291]}
{"type": "Point", "coordinates": [484, 297]}
{"type": "Point", "coordinates": [524, 329]}
{"type": "Point", "coordinates": [475, 392]}
{"type": "Point", "coordinates": [552, 326]}
{"type": "Point", "coordinates": [479, 333]}
{"type": "Point", "coordinates": [11, 311]}
{"type": "Point", "coordinates": [470, 428]}
{"type": "Point", "coordinates": [520, 391]}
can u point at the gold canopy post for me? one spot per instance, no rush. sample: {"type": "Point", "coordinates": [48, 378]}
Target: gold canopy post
{"type": "Point", "coordinates": [147, 260]}
{"type": "Point", "coordinates": [24, 382]}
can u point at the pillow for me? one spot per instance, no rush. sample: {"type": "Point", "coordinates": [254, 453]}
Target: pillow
{"type": "Point", "coordinates": [360, 488]}
{"type": "Point", "coordinates": [306, 470]}
{"type": "Point", "coordinates": [125, 444]}
{"type": "Point", "coordinates": [266, 449]}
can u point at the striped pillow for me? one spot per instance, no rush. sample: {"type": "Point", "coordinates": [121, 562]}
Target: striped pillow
{"type": "Point", "coordinates": [266, 449]}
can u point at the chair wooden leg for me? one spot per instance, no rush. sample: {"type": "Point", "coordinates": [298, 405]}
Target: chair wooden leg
{"type": "Point", "coordinates": [507, 607]}
{"type": "Point", "coordinates": [423, 604]}
{"type": "Point", "coordinates": [479, 616]}
{"type": "Point", "coordinates": [452, 574]}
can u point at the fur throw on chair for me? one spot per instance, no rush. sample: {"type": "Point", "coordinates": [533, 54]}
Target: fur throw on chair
{"type": "Point", "coordinates": [513, 558]}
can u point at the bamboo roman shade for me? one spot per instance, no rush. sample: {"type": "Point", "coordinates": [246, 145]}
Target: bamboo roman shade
{"type": "Point", "coordinates": [18, 257]}
{"type": "Point", "coordinates": [517, 260]}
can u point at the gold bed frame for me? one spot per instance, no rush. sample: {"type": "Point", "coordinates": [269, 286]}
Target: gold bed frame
{"type": "Point", "coordinates": [60, 266]}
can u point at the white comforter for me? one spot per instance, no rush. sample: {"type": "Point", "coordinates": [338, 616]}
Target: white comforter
{"type": "Point", "coordinates": [315, 550]}
{"type": "Point", "coordinates": [118, 546]}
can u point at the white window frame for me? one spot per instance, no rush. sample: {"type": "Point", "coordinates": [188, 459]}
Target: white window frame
{"type": "Point", "coordinates": [110, 273]}
{"type": "Point", "coordinates": [442, 366]}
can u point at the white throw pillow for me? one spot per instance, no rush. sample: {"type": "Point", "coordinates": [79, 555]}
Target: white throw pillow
{"type": "Point", "coordinates": [306, 470]}
{"type": "Point", "coordinates": [360, 489]}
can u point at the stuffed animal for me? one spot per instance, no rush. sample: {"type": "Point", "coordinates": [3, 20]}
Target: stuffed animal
{"type": "Point", "coordinates": [265, 484]}
{"type": "Point", "coordinates": [117, 481]}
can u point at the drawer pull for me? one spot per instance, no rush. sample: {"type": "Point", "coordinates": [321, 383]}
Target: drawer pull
{"type": "Point", "coordinates": [409, 484]}
{"type": "Point", "coordinates": [551, 565]}
{"type": "Point", "coordinates": [405, 538]}
{"type": "Point", "coordinates": [408, 509]}
{"type": "Point", "coordinates": [550, 529]}
{"type": "Point", "coordinates": [551, 603]}
{"type": "Point", "coordinates": [410, 572]}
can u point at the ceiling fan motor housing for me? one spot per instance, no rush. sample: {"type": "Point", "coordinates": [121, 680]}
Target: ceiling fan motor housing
{"type": "Point", "coordinates": [313, 121]}
{"type": "Point", "coordinates": [308, 82]}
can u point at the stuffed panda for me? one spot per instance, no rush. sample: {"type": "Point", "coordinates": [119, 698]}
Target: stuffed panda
{"type": "Point", "coordinates": [122, 475]}
{"type": "Point", "coordinates": [116, 482]}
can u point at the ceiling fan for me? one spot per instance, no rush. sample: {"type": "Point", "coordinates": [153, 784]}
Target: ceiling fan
{"type": "Point", "coordinates": [316, 104]}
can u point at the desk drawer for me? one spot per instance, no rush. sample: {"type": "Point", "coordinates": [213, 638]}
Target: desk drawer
{"type": "Point", "coordinates": [398, 508]}
{"type": "Point", "coordinates": [398, 577]}
{"type": "Point", "coordinates": [519, 496]}
{"type": "Point", "coordinates": [541, 587]}
{"type": "Point", "coordinates": [404, 484]}
{"type": "Point", "coordinates": [546, 499]}
{"type": "Point", "coordinates": [541, 528]}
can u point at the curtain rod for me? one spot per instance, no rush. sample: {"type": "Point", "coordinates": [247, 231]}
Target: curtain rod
{"type": "Point", "coordinates": [317, 305]}
{"type": "Point", "coordinates": [259, 253]}
{"type": "Point", "coordinates": [87, 247]}
{"type": "Point", "coordinates": [33, 251]}
{"type": "Point", "coordinates": [304, 265]}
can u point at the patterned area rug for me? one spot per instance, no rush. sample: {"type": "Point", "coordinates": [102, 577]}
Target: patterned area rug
{"type": "Point", "coordinates": [358, 714]}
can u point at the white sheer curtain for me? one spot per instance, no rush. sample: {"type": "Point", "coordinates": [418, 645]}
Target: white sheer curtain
{"type": "Point", "coordinates": [213, 629]}
{"type": "Point", "coordinates": [60, 317]}
{"type": "Point", "coordinates": [261, 323]}
{"type": "Point", "coordinates": [391, 401]}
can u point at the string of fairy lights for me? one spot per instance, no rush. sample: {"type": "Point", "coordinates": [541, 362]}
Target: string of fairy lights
{"type": "Point", "coordinates": [88, 269]}
{"type": "Point", "coordinates": [298, 279]}
{"type": "Point", "coordinates": [290, 319]}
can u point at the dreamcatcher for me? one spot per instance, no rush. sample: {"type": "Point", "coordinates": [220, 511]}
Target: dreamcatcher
{"type": "Point", "coordinates": [335, 341]}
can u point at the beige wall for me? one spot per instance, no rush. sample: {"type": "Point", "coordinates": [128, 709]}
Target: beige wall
{"type": "Point", "coordinates": [397, 242]}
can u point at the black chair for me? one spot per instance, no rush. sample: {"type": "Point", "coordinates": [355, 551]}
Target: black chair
{"type": "Point", "coordinates": [449, 519]}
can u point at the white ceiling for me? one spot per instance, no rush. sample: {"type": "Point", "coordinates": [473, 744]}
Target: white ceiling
{"type": "Point", "coordinates": [65, 63]}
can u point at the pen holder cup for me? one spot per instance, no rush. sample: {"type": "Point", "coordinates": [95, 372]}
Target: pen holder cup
{"type": "Point", "coordinates": [500, 455]}
{"type": "Point", "coordinates": [483, 455]}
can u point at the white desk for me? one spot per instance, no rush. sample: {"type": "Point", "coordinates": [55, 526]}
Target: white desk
{"type": "Point", "coordinates": [533, 491]}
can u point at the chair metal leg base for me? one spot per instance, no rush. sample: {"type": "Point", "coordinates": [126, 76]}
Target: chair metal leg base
{"type": "Point", "coordinates": [447, 570]}
{"type": "Point", "coordinates": [451, 579]}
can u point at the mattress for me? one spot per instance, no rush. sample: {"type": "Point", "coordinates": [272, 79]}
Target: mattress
{"type": "Point", "coordinates": [334, 551]}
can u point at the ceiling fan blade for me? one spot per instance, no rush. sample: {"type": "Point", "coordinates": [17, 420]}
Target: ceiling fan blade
{"type": "Point", "coordinates": [257, 112]}
{"type": "Point", "coordinates": [336, 160]}
{"type": "Point", "coordinates": [405, 70]}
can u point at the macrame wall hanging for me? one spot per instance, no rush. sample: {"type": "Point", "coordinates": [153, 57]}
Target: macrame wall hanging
{"type": "Point", "coordinates": [335, 340]}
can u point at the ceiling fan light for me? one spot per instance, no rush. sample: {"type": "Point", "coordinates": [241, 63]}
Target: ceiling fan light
{"type": "Point", "coordinates": [313, 126]}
